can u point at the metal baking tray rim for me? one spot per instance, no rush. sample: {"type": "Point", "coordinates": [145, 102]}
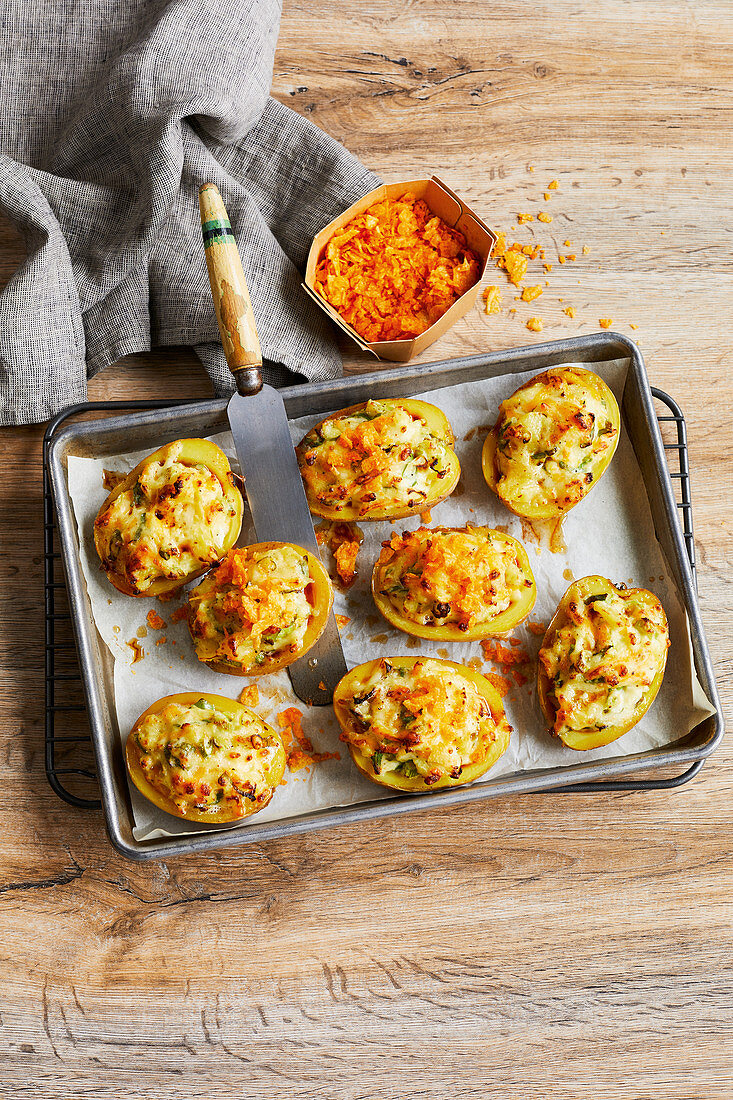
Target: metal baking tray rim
{"type": "Point", "coordinates": [327, 396]}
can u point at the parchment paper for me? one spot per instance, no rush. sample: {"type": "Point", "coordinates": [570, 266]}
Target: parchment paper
{"type": "Point", "coordinates": [609, 533]}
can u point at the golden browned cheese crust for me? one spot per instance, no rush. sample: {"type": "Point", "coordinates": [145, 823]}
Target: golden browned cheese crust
{"type": "Point", "coordinates": [205, 759]}
{"type": "Point", "coordinates": [256, 607]}
{"type": "Point", "coordinates": [440, 576]}
{"type": "Point", "coordinates": [603, 659]}
{"type": "Point", "coordinates": [426, 720]}
{"type": "Point", "coordinates": [380, 457]}
{"type": "Point", "coordinates": [550, 436]}
{"type": "Point", "coordinates": [173, 521]}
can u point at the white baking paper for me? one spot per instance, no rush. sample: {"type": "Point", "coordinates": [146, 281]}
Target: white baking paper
{"type": "Point", "coordinates": [609, 533]}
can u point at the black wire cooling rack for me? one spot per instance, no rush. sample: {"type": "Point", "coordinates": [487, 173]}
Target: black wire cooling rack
{"type": "Point", "coordinates": [70, 766]}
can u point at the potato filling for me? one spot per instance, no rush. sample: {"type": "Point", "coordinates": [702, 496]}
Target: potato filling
{"type": "Point", "coordinates": [603, 659]}
{"type": "Point", "coordinates": [463, 577]}
{"type": "Point", "coordinates": [257, 606]}
{"type": "Point", "coordinates": [381, 456]}
{"type": "Point", "coordinates": [427, 720]}
{"type": "Point", "coordinates": [204, 759]}
{"type": "Point", "coordinates": [174, 519]}
{"type": "Point", "coordinates": [549, 437]}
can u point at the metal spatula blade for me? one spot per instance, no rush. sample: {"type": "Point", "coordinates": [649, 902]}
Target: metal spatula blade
{"type": "Point", "coordinates": [259, 425]}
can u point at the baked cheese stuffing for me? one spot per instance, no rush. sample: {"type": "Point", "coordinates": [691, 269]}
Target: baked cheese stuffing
{"type": "Point", "coordinates": [171, 522]}
{"type": "Point", "coordinates": [441, 576]}
{"type": "Point", "coordinates": [548, 435]}
{"type": "Point", "coordinates": [254, 606]}
{"type": "Point", "coordinates": [603, 659]}
{"type": "Point", "coordinates": [381, 456]}
{"type": "Point", "coordinates": [208, 760]}
{"type": "Point", "coordinates": [427, 720]}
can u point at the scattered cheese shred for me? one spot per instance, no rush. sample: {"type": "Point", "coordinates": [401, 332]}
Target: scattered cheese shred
{"type": "Point", "coordinates": [299, 748]}
{"type": "Point", "coordinates": [180, 614]}
{"type": "Point", "coordinates": [552, 185]}
{"type": "Point", "coordinates": [536, 628]}
{"type": "Point", "coordinates": [342, 621]}
{"type": "Point", "coordinates": [570, 311]}
{"type": "Point", "coordinates": [547, 196]}
{"type": "Point", "coordinates": [154, 621]}
{"type": "Point", "coordinates": [250, 696]}
{"type": "Point", "coordinates": [535, 324]}
{"type": "Point", "coordinates": [586, 250]}
{"type": "Point", "coordinates": [543, 217]}
{"type": "Point", "coordinates": [530, 293]}
{"type": "Point", "coordinates": [492, 298]}
{"type": "Point", "coordinates": [522, 219]}
{"type": "Point", "coordinates": [605, 322]}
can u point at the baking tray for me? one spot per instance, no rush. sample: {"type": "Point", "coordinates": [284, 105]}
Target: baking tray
{"type": "Point", "coordinates": [151, 428]}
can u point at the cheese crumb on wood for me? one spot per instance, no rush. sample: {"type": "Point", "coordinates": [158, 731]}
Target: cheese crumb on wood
{"type": "Point", "coordinates": [535, 324]}
{"type": "Point", "coordinates": [543, 217]}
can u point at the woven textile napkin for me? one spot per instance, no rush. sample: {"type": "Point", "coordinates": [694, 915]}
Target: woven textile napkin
{"type": "Point", "coordinates": [113, 114]}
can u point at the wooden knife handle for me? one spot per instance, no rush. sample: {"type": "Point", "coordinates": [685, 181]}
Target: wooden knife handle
{"type": "Point", "coordinates": [229, 290]}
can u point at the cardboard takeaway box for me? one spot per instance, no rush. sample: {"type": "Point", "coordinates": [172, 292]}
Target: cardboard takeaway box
{"type": "Point", "coordinates": [446, 204]}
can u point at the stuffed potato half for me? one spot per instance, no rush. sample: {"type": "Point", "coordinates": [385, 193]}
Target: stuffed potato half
{"type": "Point", "coordinates": [418, 723]}
{"type": "Point", "coordinates": [204, 757]}
{"type": "Point", "coordinates": [453, 583]}
{"type": "Point", "coordinates": [554, 438]}
{"type": "Point", "coordinates": [174, 515]}
{"type": "Point", "coordinates": [379, 460]}
{"type": "Point", "coordinates": [601, 662]}
{"type": "Point", "coordinates": [262, 608]}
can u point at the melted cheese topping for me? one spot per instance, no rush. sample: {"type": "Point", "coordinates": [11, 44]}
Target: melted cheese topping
{"type": "Point", "coordinates": [463, 577]}
{"type": "Point", "coordinates": [426, 720]}
{"type": "Point", "coordinates": [377, 458]}
{"type": "Point", "coordinates": [204, 759]}
{"type": "Point", "coordinates": [549, 437]}
{"type": "Point", "coordinates": [257, 607]}
{"type": "Point", "coordinates": [603, 658]}
{"type": "Point", "coordinates": [171, 522]}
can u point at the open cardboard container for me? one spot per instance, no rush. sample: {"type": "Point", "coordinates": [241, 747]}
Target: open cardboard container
{"type": "Point", "coordinates": [446, 204]}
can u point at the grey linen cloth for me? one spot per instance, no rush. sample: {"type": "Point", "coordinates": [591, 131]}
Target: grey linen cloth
{"type": "Point", "coordinates": [113, 114]}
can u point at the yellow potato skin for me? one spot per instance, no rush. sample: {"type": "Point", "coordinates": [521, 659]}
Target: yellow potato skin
{"type": "Point", "coordinates": [440, 427]}
{"type": "Point", "coordinates": [450, 632]}
{"type": "Point", "coordinates": [592, 739]}
{"type": "Point", "coordinates": [194, 451]}
{"type": "Point", "coordinates": [345, 689]}
{"type": "Point", "coordinates": [320, 597]}
{"type": "Point", "coordinates": [220, 702]}
{"type": "Point", "coordinates": [597, 468]}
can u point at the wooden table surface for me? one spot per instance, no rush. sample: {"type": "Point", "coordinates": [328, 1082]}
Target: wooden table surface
{"type": "Point", "coordinates": [546, 945]}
